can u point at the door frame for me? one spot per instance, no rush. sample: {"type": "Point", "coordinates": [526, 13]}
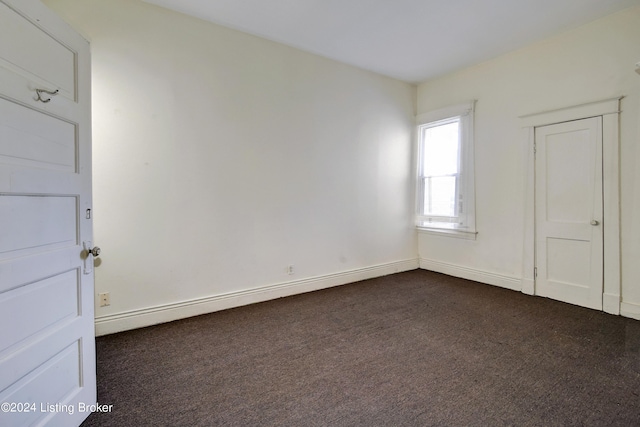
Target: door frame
{"type": "Point", "coordinates": [609, 110]}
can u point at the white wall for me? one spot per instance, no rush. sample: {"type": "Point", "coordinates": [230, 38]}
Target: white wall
{"type": "Point", "coordinates": [590, 63]}
{"type": "Point", "coordinates": [221, 158]}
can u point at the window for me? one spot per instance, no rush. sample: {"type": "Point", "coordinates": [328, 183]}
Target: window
{"type": "Point", "coordinates": [445, 171]}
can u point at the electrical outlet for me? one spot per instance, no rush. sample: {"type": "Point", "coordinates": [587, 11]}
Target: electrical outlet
{"type": "Point", "coordinates": [105, 299]}
{"type": "Point", "coordinates": [290, 270]}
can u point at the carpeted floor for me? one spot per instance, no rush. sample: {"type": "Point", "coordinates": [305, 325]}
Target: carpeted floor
{"type": "Point", "coordinates": [410, 349]}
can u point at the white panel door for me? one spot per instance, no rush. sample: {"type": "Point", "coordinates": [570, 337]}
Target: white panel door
{"type": "Point", "coordinates": [569, 218]}
{"type": "Point", "coordinates": [47, 345]}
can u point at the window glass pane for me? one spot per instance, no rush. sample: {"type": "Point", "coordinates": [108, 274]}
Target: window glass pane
{"type": "Point", "coordinates": [440, 196]}
{"type": "Point", "coordinates": [440, 149]}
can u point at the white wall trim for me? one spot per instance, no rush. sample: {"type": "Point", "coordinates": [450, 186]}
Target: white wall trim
{"type": "Point", "coordinates": [450, 232]}
{"type": "Point", "coordinates": [445, 113]}
{"type": "Point", "coordinates": [528, 286]}
{"type": "Point", "coordinates": [179, 310]}
{"type": "Point", "coordinates": [486, 277]}
{"type": "Point", "coordinates": [611, 303]}
{"type": "Point", "coordinates": [609, 110]}
{"type": "Point", "coordinates": [577, 112]}
{"type": "Point", "coordinates": [631, 310]}
{"type": "Point", "coordinates": [612, 287]}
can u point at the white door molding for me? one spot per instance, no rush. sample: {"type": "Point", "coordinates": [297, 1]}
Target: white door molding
{"type": "Point", "coordinates": [609, 110]}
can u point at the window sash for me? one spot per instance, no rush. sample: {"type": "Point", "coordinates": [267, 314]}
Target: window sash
{"type": "Point", "coordinates": [429, 211]}
{"type": "Point", "coordinates": [442, 207]}
{"type": "Point", "coordinates": [449, 153]}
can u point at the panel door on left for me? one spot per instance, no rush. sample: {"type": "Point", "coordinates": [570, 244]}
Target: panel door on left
{"type": "Point", "coordinates": [47, 345]}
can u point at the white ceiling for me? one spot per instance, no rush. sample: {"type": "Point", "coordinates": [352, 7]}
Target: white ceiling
{"type": "Point", "coordinates": [411, 40]}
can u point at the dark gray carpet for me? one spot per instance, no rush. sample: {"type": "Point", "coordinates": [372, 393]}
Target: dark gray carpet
{"type": "Point", "coordinates": [410, 349]}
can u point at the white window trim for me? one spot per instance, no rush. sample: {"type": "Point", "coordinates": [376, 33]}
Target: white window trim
{"type": "Point", "coordinates": [458, 234]}
{"type": "Point", "coordinates": [467, 112]}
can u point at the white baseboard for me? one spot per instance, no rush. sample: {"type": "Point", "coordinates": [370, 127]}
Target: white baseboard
{"type": "Point", "coordinates": [628, 309]}
{"type": "Point", "coordinates": [500, 280]}
{"type": "Point", "coordinates": [166, 313]}
{"type": "Point", "coordinates": [611, 303]}
{"type": "Point", "coordinates": [528, 286]}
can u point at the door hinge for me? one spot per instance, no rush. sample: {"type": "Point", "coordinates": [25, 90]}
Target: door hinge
{"type": "Point", "coordinates": [535, 272]}
{"type": "Point", "coordinates": [534, 148]}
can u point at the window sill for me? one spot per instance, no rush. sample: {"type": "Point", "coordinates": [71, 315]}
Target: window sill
{"type": "Point", "coordinates": [450, 232]}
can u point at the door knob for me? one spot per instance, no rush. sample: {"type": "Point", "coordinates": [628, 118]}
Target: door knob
{"type": "Point", "coordinates": [593, 222]}
{"type": "Point", "coordinates": [89, 260]}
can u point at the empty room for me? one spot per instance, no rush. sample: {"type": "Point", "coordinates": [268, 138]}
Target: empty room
{"type": "Point", "coordinates": [293, 213]}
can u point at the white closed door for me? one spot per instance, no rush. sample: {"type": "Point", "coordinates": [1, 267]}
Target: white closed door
{"type": "Point", "coordinates": [47, 345]}
{"type": "Point", "coordinates": [569, 212]}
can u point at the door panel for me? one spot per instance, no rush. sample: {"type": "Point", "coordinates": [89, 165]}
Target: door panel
{"type": "Point", "coordinates": [39, 56]}
{"type": "Point", "coordinates": [31, 138]}
{"type": "Point", "coordinates": [47, 345]}
{"type": "Point", "coordinates": [569, 247]}
{"type": "Point", "coordinates": [562, 256]}
{"type": "Point", "coordinates": [57, 298]}
{"type": "Point", "coordinates": [567, 196]}
{"type": "Point", "coordinates": [38, 223]}
{"type": "Point", "coordinates": [51, 382]}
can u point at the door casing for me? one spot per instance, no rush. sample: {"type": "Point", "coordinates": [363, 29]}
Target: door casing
{"type": "Point", "coordinates": [609, 110]}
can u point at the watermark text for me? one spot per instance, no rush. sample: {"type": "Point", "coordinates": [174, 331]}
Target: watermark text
{"type": "Point", "coordinates": [47, 407]}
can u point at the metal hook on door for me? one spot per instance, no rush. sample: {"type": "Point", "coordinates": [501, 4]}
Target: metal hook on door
{"type": "Point", "coordinates": [39, 92]}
